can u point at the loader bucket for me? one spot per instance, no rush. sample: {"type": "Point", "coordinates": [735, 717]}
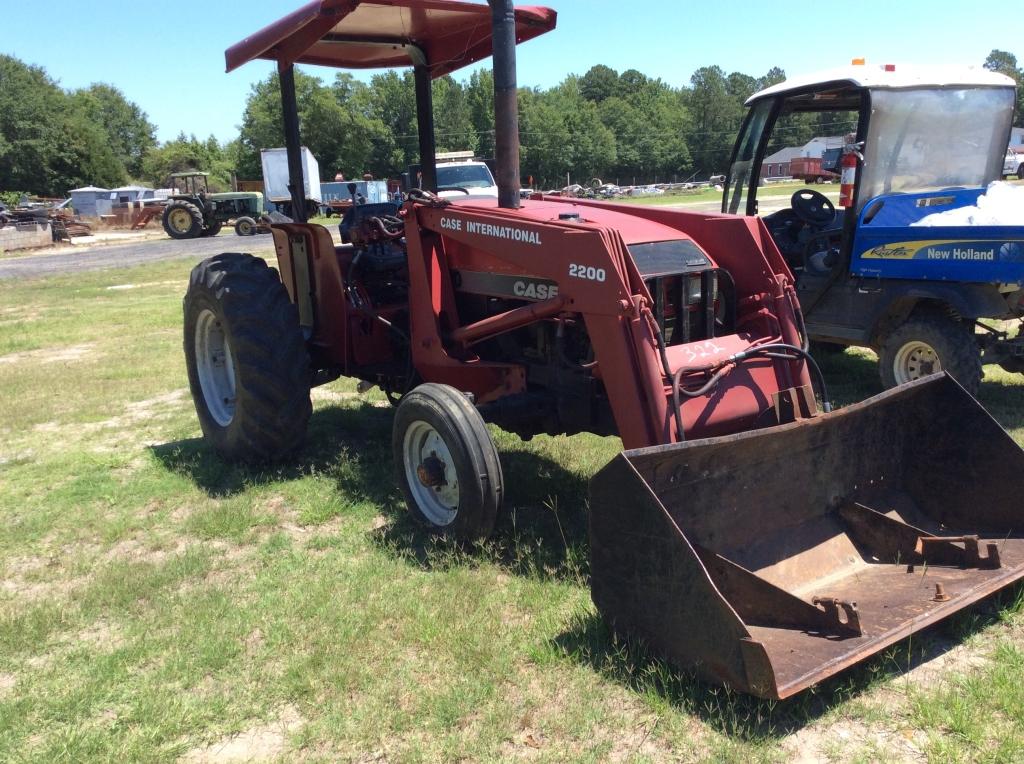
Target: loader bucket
{"type": "Point", "coordinates": [772, 559]}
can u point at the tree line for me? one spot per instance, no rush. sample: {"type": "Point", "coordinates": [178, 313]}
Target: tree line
{"type": "Point", "coordinates": [621, 127]}
{"type": "Point", "coordinates": [53, 140]}
{"type": "Point", "coordinates": [618, 127]}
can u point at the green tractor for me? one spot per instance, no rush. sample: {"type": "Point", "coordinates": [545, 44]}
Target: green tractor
{"type": "Point", "coordinates": [192, 211]}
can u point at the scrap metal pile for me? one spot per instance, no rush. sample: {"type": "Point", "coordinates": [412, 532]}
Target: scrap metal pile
{"type": "Point", "coordinates": [55, 213]}
{"type": "Point", "coordinates": [597, 189]}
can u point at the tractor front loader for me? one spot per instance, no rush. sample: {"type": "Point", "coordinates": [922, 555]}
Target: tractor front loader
{"type": "Point", "coordinates": [742, 532]}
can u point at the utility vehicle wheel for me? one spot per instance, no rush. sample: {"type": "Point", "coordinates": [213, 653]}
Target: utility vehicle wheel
{"type": "Point", "coordinates": [245, 226]}
{"type": "Point", "coordinates": [182, 220]}
{"type": "Point", "coordinates": [247, 362]}
{"type": "Point", "coordinates": [446, 462]}
{"type": "Point", "coordinates": [928, 343]}
{"type": "Point", "coordinates": [214, 228]}
{"type": "Point", "coordinates": [1020, 172]}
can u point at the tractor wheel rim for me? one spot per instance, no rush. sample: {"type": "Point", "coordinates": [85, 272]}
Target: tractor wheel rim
{"type": "Point", "coordinates": [215, 367]}
{"type": "Point", "coordinates": [244, 228]}
{"type": "Point", "coordinates": [914, 360]}
{"type": "Point", "coordinates": [430, 473]}
{"type": "Point", "coordinates": [180, 220]}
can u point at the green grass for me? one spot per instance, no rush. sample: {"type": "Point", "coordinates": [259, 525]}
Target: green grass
{"type": "Point", "coordinates": [689, 196]}
{"type": "Point", "coordinates": [155, 600]}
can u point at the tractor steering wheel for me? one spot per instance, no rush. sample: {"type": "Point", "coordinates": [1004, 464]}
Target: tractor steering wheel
{"type": "Point", "coordinates": [813, 207]}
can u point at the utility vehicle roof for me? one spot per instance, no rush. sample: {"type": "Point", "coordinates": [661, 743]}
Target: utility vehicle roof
{"type": "Point", "coordinates": [189, 174]}
{"type": "Point", "coordinates": [366, 34]}
{"type": "Point", "coordinates": [878, 77]}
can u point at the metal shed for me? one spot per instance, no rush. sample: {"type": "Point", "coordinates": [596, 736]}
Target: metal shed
{"type": "Point", "coordinates": [127, 194]}
{"type": "Point", "coordinates": [91, 201]}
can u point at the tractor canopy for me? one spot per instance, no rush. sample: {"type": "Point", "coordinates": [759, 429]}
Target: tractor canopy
{"type": "Point", "coordinates": [442, 35]}
{"type": "Point", "coordinates": [434, 37]}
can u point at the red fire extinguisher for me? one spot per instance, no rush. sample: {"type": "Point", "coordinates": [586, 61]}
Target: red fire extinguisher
{"type": "Point", "coordinates": [848, 174]}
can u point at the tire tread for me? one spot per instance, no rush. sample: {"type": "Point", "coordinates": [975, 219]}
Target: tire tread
{"type": "Point", "coordinates": [961, 356]}
{"type": "Point", "coordinates": [272, 364]}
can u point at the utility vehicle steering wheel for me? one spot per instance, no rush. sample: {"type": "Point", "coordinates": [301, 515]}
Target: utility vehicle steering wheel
{"type": "Point", "coordinates": [813, 207]}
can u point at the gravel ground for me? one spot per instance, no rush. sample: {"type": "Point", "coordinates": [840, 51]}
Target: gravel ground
{"type": "Point", "coordinates": [124, 255]}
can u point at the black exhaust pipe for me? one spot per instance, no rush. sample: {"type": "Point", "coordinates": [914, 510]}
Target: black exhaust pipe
{"type": "Point", "coordinates": [506, 108]}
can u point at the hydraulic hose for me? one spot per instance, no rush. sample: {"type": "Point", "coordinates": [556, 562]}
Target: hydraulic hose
{"type": "Point", "coordinates": [773, 351]}
{"type": "Point", "coordinates": [677, 407]}
{"type": "Point", "coordinates": [801, 326]}
{"type": "Point", "coordinates": [780, 350]}
{"type": "Point", "coordinates": [677, 412]}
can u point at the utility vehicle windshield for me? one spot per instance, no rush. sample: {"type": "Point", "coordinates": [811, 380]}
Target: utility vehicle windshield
{"type": "Point", "coordinates": [463, 176]}
{"type": "Point", "coordinates": [929, 139]}
{"type": "Point", "coordinates": [739, 173]}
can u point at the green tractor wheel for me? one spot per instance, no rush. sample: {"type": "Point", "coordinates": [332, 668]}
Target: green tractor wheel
{"type": "Point", "coordinates": [245, 226]}
{"type": "Point", "coordinates": [183, 220]}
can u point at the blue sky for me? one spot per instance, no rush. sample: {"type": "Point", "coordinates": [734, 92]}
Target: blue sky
{"type": "Point", "coordinates": [171, 62]}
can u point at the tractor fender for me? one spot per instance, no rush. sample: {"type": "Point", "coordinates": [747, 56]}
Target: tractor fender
{"type": "Point", "coordinates": [966, 300]}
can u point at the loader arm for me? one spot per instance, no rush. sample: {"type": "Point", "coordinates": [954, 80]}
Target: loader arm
{"type": "Point", "coordinates": [616, 306]}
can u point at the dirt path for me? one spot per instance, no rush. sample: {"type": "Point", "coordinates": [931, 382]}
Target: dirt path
{"type": "Point", "coordinates": [124, 255]}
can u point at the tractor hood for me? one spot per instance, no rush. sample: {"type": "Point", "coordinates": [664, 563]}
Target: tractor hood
{"type": "Point", "coordinates": [633, 229]}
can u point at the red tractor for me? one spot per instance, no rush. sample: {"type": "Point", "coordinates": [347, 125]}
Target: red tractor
{"type": "Point", "coordinates": [737, 506]}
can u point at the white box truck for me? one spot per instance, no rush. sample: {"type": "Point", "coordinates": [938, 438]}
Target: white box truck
{"type": "Point", "coordinates": [275, 179]}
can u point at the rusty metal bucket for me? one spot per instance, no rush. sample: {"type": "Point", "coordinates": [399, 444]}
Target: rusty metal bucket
{"type": "Point", "coordinates": [770, 560]}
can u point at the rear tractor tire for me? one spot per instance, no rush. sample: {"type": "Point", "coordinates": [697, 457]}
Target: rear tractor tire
{"type": "Point", "coordinates": [246, 357]}
{"type": "Point", "coordinates": [929, 343]}
{"type": "Point", "coordinates": [245, 226]}
{"type": "Point", "coordinates": [446, 463]}
{"type": "Point", "coordinates": [182, 220]}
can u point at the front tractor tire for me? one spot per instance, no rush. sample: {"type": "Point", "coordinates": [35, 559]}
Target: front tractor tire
{"type": "Point", "coordinates": [245, 226]}
{"type": "Point", "coordinates": [446, 463]}
{"type": "Point", "coordinates": [928, 343]}
{"type": "Point", "coordinates": [183, 220]}
{"type": "Point", "coordinates": [248, 368]}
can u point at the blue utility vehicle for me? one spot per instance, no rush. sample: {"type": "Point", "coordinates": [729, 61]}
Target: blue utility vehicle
{"type": "Point", "coordinates": [911, 142]}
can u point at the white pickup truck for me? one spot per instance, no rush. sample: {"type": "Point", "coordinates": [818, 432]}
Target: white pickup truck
{"type": "Point", "coordinates": [1013, 164]}
{"type": "Point", "coordinates": [459, 173]}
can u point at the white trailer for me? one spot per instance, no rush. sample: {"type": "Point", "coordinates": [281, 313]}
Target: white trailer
{"type": "Point", "coordinates": [275, 176]}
